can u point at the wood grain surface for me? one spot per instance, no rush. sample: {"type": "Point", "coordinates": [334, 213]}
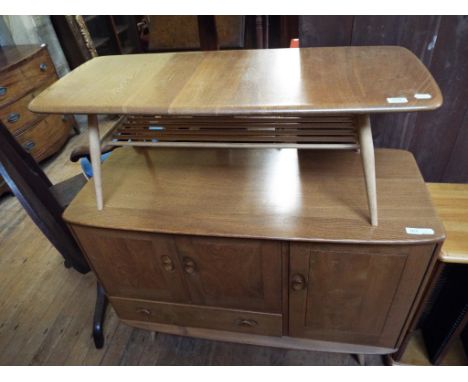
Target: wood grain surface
{"type": "Point", "coordinates": [451, 203]}
{"type": "Point", "coordinates": [259, 193]}
{"type": "Point", "coordinates": [246, 82]}
{"type": "Point", "coordinates": [354, 294]}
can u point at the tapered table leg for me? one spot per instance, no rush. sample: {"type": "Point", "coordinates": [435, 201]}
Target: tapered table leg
{"type": "Point", "coordinates": [95, 152]}
{"type": "Point", "coordinates": [368, 163]}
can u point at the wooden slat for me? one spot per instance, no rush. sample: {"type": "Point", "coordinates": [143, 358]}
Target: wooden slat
{"type": "Point", "coordinates": [315, 146]}
{"type": "Point", "coordinates": [232, 138]}
{"type": "Point", "coordinates": [237, 131]}
{"type": "Point", "coordinates": [331, 130]}
{"type": "Point", "coordinates": [266, 119]}
{"type": "Point", "coordinates": [239, 126]}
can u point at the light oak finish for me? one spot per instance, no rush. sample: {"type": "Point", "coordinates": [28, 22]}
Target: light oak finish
{"type": "Point", "coordinates": [245, 82]}
{"type": "Point", "coordinates": [176, 250]}
{"type": "Point", "coordinates": [354, 294]}
{"type": "Point", "coordinates": [228, 273]}
{"type": "Point", "coordinates": [451, 203]}
{"type": "Point", "coordinates": [199, 316]}
{"type": "Point", "coordinates": [46, 312]}
{"type": "Point", "coordinates": [266, 193]}
{"type": "Point", "coordinates": [277, 82]}
{"type": "Point", "coordinates": [253, 339]}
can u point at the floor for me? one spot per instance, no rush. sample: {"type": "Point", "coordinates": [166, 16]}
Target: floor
{"type": "Point", "coordinates": [46, 309]}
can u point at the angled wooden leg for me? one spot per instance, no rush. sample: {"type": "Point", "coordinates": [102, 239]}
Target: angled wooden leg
{"type": "Point", "coordinates": [99, 315]}
{"type": "Point", "coordinates": [95, 153]}
{"type": "Point", "coordinates": [361, 359]}
{"type": "Point", "coordinates": [368, 163]}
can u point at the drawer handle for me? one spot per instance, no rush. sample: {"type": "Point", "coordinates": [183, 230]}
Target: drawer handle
{"type": "Point", "coordinates": [298, 282]}
{"type": "Point", "coordinates": [29, 145]}
{"type": "Point", "coordinates": [13, 117]}
{"type": "Point", "coordinates": [247, 323]}
{"type": "Point", "coordinates": [43, 67]}
{"type": "Point", "coordinates": [3, 90]}
{"type": "Point", "coordinates": [168, 264]}
{"type": "Point", "coordinates": [189, 265]}
{"type": "Point", "coordinates": [144, 311]}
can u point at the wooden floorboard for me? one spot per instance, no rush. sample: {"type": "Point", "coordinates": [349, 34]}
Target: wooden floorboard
{"type": "Point", "coordinates": [46, 310]}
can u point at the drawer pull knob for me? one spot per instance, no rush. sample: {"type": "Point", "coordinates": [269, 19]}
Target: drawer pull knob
{"type": "Point", "coordinates": [144, 311]}
{"type": "Point", "coordinates": [13, 117]}
{"type": "Point", "coordinates": [168, 264]}
{"type": "Point", "coordinates": [43, 67]}
{"type": "Point", "coordinates": [29, 145]}
{"type": "Point", "coordinates": [247, 323]}
{"type": "Point", "coordinates": [298, 282]}
{"type": "Point", "coordinates": [3, 90]}
{"type": "Point", "coordinates": [189, 265]}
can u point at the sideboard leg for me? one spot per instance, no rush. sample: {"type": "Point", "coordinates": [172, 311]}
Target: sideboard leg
{"type": "Point", "coordinates": [368, 164]}
{"type": "Point", "coordinates": [361, 358]}
{"type": "Point", "coordinates": [95, 152]}
{"type": "Point", "coordinates": [99, 315]}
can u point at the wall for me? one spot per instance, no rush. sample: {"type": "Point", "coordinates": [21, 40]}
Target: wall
{"type": "Point", "coordinates": [438, 139]}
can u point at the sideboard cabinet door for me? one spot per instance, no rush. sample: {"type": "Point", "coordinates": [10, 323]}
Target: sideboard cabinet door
{"type": "Point", "coordinates": [354, 294]}
{"type": "Point", "coordinates": [232, 273]}
{"type": "Point", "coordinates": [134, 265]}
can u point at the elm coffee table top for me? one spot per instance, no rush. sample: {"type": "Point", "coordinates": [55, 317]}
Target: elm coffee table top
{"type": "Point", "coordinates": [364, 79]}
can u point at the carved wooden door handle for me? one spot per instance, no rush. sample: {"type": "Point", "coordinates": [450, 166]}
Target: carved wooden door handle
{"type": "Point", "coordinates": [298, 282]}
{"type": "Point", "coordinates": [168, 264]}
{"type": "Point", "coordinates": [189, 265]}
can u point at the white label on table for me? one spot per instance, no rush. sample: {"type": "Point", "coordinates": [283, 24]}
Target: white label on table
{"type": "Point", "coordinates": [397, 100]}
{"type": "Point", "coordinates": [423, 96]}
{"type": "Point", "coordinates": [419, 231]}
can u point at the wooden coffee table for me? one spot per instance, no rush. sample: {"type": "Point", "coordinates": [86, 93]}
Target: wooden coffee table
{"type": "Point", "coordinates": [312, 98]}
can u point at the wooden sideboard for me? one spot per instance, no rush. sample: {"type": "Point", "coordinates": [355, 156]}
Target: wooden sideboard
{"type": "Point", "coordinates": [261, 246]}
{"type": "Point", "coordinates": [25, 71]}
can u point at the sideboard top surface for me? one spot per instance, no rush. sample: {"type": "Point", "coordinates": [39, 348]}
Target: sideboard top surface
{"type": "Point", "coordinates": [364, 79]}
{"type": "Point", "coordinates": [285, 194]}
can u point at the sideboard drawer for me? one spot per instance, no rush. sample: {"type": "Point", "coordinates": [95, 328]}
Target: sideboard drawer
{"type": "Point", "coordinates": [198, 316]}
{"type": "Point", "coordinates": [14, 84]}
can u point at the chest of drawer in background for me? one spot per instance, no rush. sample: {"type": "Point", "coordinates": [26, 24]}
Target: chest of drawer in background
{"type": "Point", "coordinates": [25, 71]}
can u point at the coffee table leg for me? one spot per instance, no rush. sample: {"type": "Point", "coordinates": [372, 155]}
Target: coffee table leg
{"type": "Point", "coordinates": [368, 163]}
{"type": "Point", "coordinates": [95, 151]}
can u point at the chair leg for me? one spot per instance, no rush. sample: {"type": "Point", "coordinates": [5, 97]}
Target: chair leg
{"type": "Point", "coordinates": [99, 315]}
